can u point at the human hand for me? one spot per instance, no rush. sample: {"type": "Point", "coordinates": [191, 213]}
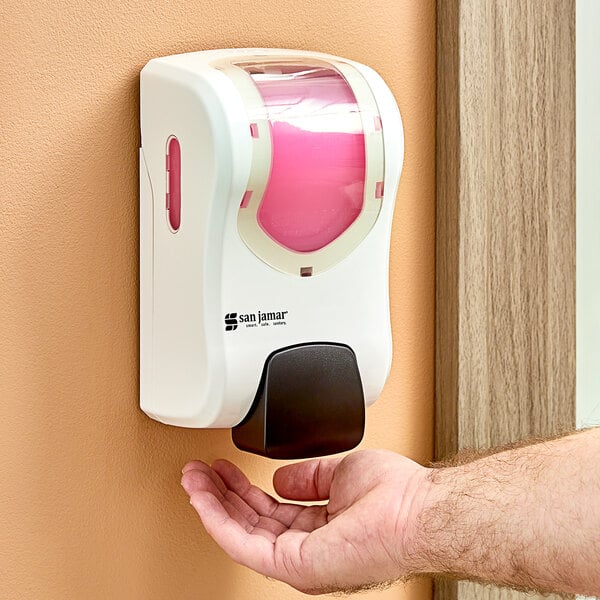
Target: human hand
{"type": "Point", "coordinates": [364, 536]}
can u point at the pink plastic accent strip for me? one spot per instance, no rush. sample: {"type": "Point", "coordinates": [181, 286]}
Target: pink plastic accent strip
{"type": "Point", "coordinates": [254, 130]}
{"type": "Point", "coordinates": [316, 185]}
{"type": "Point", "coordinates": [246, 199]}
{"type": "Point", "coordinates": [379, 189]}
{"type": "Point", "coordinates": [174, 183]}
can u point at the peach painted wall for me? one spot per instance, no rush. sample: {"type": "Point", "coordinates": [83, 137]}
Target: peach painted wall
{"type": "Point", "coordinates": [90, 502]}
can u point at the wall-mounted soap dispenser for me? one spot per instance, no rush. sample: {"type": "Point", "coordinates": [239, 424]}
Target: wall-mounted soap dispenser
{"type": "Point", "coordinates": [267, 187]}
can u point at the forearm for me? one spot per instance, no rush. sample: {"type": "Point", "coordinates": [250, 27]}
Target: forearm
{"type": "Point", "coordinates": [527, 517]}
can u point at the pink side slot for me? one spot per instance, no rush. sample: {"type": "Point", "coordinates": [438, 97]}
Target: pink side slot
{"type": "Point", "coordinates": [174, 183]}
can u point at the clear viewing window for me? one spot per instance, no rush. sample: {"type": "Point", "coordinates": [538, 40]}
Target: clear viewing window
{"type": "Point", "coordinates": [315, 188]}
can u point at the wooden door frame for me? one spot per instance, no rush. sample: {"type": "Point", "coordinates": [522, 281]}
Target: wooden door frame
{"type": "Point", "coordinates": [505, 257]}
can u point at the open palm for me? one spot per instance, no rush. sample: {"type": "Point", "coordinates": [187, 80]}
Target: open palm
{"type": "Point", "coordinates": [359, 538]}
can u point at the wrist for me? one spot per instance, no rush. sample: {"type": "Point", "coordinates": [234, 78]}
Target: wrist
{"type": "Point", "coordinates": [418, 495]}
{"type": "Point", "coordinates": [432, 524]}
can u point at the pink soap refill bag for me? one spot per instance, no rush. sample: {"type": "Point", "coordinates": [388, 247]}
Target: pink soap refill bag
{"type": "Point", "coordinates": [316, 184]}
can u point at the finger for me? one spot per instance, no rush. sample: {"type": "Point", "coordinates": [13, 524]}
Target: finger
{"type": "Point", "coordinates": [253, 551]}
{"type": "Point", "coordinates": [198, 465]}
{"type": "Point", "coordinates": [308, 480]}
{"type": "Point", "coordinates": [196, 481]}
{"type": "Point", "coordinates": [256, 498]}
{"type": "Point", "coordinates": [194, 464]}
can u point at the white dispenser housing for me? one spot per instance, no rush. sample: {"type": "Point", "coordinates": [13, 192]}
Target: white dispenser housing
{"type": "Point", "coordinates": [267, 187]}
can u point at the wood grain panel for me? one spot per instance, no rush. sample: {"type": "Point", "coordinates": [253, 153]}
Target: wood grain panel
{"type": "Point", "coordinates": [505, 332]}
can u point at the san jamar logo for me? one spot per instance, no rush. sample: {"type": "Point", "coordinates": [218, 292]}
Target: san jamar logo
{"type": "Point", "coordinates": [257, 319]}
{"type": "Point", "coordinates": [231, 322]}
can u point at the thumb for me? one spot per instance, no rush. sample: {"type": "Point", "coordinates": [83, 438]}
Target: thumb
{"type": "Point", "coordinates": [308, 480]}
